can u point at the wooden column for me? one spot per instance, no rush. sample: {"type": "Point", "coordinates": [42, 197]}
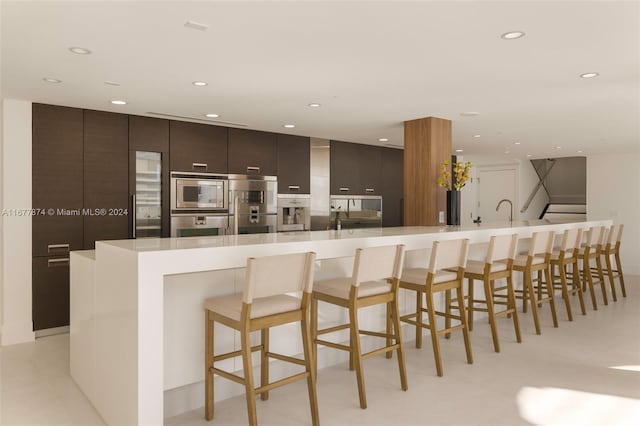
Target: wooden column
{"type": "Point", "coordinates": [427, 143]}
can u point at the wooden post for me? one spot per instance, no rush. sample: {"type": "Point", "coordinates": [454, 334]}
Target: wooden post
{"type": "Point", "coordinates": [427, 143]}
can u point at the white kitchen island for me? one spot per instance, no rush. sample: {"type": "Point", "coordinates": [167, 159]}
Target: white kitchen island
{"type": "Point", "coordinates": [137, 323]}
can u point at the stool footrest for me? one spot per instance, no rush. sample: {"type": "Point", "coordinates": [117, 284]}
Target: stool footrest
{"type": "Point", "coordinates": [380, 351]}
{"type": "Point", "coordinates": [332, 329]}
{"type": "Point", "coordinates": [286, 358]}
{"type": "Point", "coordinates": [227, 375]}
{"type": "Point", "coordinates": [234, 354]}
{"type": "Point", "coordinates": [333, 345]}
{"type": "Point", "coordinates": [413, 322]}
{"type": "Point", "coordinates": [281, 382]}
{"type": "Point", "coordinates": [375, 333]}
{"type": "Point", "coordinates": [450, 329]}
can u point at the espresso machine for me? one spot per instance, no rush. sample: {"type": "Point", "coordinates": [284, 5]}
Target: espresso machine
{"type": "Point", "coordinates": [294, 212]}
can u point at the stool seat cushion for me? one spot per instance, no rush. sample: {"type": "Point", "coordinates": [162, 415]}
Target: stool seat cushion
{"type": "Point", "coordinates": [341, 287]}
{"type": "Point", "coordinates": [476, 267]}
{"type": "Point", "coordinates": [231, 306]}
{"type": "Point", "coordinates": [419, 276]}
{"type": "Point", "coordinates": [521, 260]}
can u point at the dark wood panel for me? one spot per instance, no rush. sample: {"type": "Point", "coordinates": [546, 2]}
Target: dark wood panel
{"type": "Point", "coordinates": [194, 144]}
{"type": "Point", "coordinates": [391, 186]}
{"type": "Point", "coordinates": [106, 176]}
{"type": "Point", "coordinates": [293, 164]}
{"type": "Point", "coordinates": [253, 152]}
{"type": "Point", "coordinates": [50, 292]}
{"type": "Point", "coordinates": [148, 134]}
{"type": "Point", "coordinates": [370, 159]}
{"type": "Point", "coordinates": [57, 177]}
{"type": "Point", "coordinates": [345, 168]}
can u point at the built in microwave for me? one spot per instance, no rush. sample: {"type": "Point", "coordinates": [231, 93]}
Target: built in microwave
{"type": "Point", "coordinates": [193, 192]}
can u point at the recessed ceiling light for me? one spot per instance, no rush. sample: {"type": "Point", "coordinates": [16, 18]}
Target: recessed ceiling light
{"type": "Point", "coordinates": [512, 35]}
{"type": "Point", "coordinates": [579, 151]}
{"type": "Point", "coordinates": [199, 83]}
{"type": "Point", "coordinates": [528, 155]}
{"type": "Point", "coordinates": [589, 75]}
{"type": "Point", "coordinates": [314, 105]}
{"type": "Point", "coordinates": [516, 143]}
{"type": "Point", "coordinates": [476, 136]}
{"type": "Point", "coordinates": [558, 147]}
{"type": "Point", "coordinates": [289, 126]}
{"type": "Point", "coordinates": [211, 115]}
{"type": "Point", "coordinates": [506, 152]}
{"type": "Point", "coordinates": [459, 150]}
{"type": "Point", "coordinates": [383, 140]}
{"type": "Point", "coordinates": [80, 50]}
{"type": "Point", "coordinates": [52, 80]}
{"type": "Point", "coordinates": [469, 114]}
{"type": "Point", "coordinates": [112, 83]}
{"type": "Point", "coordinates": [118, 102]}
{"type": "Point", "coordinates": [196, 25]}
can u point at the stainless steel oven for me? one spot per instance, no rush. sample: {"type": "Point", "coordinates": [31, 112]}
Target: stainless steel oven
{"type": "Point", "coordinates": [199, 225]}
{"type": "Point", "coordinates": [253, 204]}
{"type": "Point", "coordinates": [199, 193]}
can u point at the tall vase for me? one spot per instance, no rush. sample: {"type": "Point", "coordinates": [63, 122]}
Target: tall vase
{"type": "Point", "coordinates": [453, 207]}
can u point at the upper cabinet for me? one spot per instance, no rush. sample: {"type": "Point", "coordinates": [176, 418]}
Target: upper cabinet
{"type": "Point", "coordinates": [252, 152]}
{"type": "Point", "coordinates": [198, 147]}
{"type": "Point", "coordinates": [57, 178]}
{"type": "Point", "coordinates": [392, 186]}
{"type": "Point", "coordinates": [148, 134]}
{"type": "Point", "coordinates": [293, 164]}
{"type": "Point", "coordinates": [355, 169]}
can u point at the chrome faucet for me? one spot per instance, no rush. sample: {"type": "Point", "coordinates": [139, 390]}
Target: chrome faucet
{"type": "Point", "coordinates": [510, 205]}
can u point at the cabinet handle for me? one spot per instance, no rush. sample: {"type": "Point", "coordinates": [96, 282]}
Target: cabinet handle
{"type": "Point", "coordinates": [344, 189]}
{"type": "Point", "coordinates": [57, 246]}
{"type": "Point", "coordinates": [294, 187]}
{"type": "Point", "coordinates": [369, 190]}
{"type": "Point", "coordinates": [201, 165]}
{"type": "Point", "coordinates": [253, 169]}
{"type": "Point", "coordinates": [57, 262]}
{"type": "Point", "coordinates": [134, 218]}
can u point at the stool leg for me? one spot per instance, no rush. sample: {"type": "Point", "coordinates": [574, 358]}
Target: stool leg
{"type": "Point", "coordinates": [526, 289]}
{"type": "Point", "coordinates": [552, 302]}
{"type": "Point", "coordinates": [528, 284]}
{"type": "Point", "coordinates": [511, 305]}
{"type": "Point", "coordinates": [470, 305]}
{"type": "Point", "coordinates": [310, 368]}
{"type": "Point", "coordinates": [603, 286]}
{"type": "Point", "coordinates": [607, 259]}
{"type": "Point", "coordinates": [490, 312]}
{"type": "Point", "coordinates": [578, 285]}
{"type": "Point", "coordinates": [586, 270]}
{"type": "Point", "coordinates": [208, 366]}
{"type": "Point", "coordinates": [465, 325]}
{"type": "Point", "coordinates": [447, 309]}
{"type": "Point", "coordinates": [314, 333]}
{"type": "Point", "coordinates": [619, 267]}
{"type": "Point", "coordinates": [389, 315]}
{"type": "Point", "coordinates": [357, 358]}
{"type": "Point", "coordinates": [245, 343]}
{"type": "Point", "coordinates": [395, 315]}
{"type": "Point", "coordinates": [419, 319]}
{"type": "Point", "coordinates": [565, 292]}
{"type": "Point", "coordinates": [433, 330]}
{"type": "Point", "coordinates": [264, 362]}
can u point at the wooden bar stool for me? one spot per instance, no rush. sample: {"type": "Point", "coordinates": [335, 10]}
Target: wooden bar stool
{"type": "Point", "coordinates": [437, 278]}
{"type": "Point", "coordinates": [374, 281]}
{"type": "Point", "coordinates": [497, 265]}
{"type": "Point", "coordinates": [612, 248]}
{"type": "Point", "coordinates": [591, 250]}
{"type": "Point", "coordinates": [263, 304]}
{"type": "Point", "coordinates": [537, 259]}
{"type": "Point", "coordinates": [567, 255]}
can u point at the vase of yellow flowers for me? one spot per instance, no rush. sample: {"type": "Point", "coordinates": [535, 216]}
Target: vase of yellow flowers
{"type": "Point", "coordinates": [453, 178]}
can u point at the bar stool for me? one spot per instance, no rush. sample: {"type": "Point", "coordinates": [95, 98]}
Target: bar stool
{"type": "Point", "coordinates": [497, 265]}
{"type": "Point", "coordinates": [374, 281]}
{"type": "Point", "coordinates": [612, 248]}
{"type": "Point", "coordinates": [567, 254]}
{"type": "Point", "coordinates": [449, 254]}
{"type": "Point", "coordinates": [591, 250]}
{"type": "Point", "coordinates": [537, 259]}
{"type": "Point", "coordinates": [263, 304]}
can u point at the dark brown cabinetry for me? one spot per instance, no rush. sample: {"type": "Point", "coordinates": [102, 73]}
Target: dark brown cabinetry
{"type": "Point", "coordinates": [50, 292]}
{"type": "Point", "coordinates": [198, 147]}
{"type": "Point", "coordinates": [293, 164]}
{"type": "Point", "coordinates": [392, 186]}
{"type": "Point", "coordinates": [106, 177]}
{"type": "Point", "coordinates": [355, 169]}
{"type": "Point", "coordinates": [253, 152]}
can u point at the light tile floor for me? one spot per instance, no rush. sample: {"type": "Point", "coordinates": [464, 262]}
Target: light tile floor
{"type": "Point", "coordinates": [563, 377]}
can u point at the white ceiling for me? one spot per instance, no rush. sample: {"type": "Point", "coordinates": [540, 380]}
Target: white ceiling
{"type": "Point", "coordinates": [372, 65]}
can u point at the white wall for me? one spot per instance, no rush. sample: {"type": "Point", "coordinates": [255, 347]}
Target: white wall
{"type": "Point", "coordinates": [16, 319]}
{"type": "Point", "coordinates": [613, 192]}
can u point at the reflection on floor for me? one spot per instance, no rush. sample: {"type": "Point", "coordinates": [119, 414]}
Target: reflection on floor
{"type": "Point", "coordinates": [583, 373]}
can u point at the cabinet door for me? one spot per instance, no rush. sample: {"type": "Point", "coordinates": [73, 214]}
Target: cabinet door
{"type": "Point", "coordinates": [106, 177]}
{"type": "Point", "coordinates": [370, 159]}
{"type": "Point", "coordinates": [197, 147]}
{"type": "Point", "coordinates": [293, 164]}
{"type": "Point", "coordinates": [345, 168]}
{"type": "Point", "coordinates": [392, 186]}
{"type": "Point", "coordinates": [50, 287]}
{"type": "Point", "coordinates": [253, 152]}
{"type": "Point", "coordinates": [57, 179]}
{"type": "Point", "coordinates": [150, 135]}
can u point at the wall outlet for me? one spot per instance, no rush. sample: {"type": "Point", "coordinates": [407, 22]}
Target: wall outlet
{"type": "Point", "coordinates": [441, 217]}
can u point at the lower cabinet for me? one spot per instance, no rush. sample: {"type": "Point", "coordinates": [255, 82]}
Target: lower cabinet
{"type": "Point", "coordinates": [50, 287]}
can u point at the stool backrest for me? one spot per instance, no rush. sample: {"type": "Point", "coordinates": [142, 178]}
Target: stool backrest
{"type": "Point", "coordinates": [274, 275]}
{"type": "Point", "coordinates": [571, 240]}
{"type": "Point", "coordinates": [448, 254]}
{"type": "Point", "coordinates": [502, 247]}
{"type": "Point", "coordinates": [594, 236]}
{"type": "Point", "coordinates": [615, 234]}
{"type": "Point", "coordinates": [541, 243]}
{"type": "Point", "coordinates": [377, 263]}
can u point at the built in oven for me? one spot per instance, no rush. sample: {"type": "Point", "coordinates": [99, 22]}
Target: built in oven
{"type": "Point", "coordinates": [199, 225]}
{"type": "Point", "coordinates": [253, 204]}
{"type": "Point", "coordinates": [198, 193]}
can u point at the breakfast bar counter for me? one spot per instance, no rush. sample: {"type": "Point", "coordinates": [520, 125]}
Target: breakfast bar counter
{"type": "Point", "coordinates": [137, 329]}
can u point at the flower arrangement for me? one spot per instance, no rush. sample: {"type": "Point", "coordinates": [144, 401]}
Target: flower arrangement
{"type": "Point", "coordinates": [460, 171]}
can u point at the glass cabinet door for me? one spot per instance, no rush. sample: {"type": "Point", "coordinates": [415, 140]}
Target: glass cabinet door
{"type": "Point", "coordinates": [148, 195]}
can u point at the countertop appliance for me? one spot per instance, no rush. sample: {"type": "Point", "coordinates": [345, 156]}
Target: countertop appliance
{"type": "Point", "coordinates": [356, 211]}
{"type": "Point", "coordinates": [253, 204]}
{"type": "Point", "coordinates": [294, 212]}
